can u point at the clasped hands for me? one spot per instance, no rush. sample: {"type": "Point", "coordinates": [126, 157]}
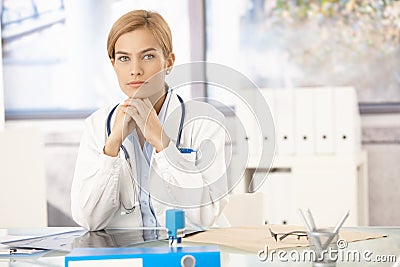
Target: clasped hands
{"type": "Point", "coordinates": [136, 113]}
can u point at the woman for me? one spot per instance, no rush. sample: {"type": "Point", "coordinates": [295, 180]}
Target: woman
{"type": "Point", "coordinates": [131, 166]}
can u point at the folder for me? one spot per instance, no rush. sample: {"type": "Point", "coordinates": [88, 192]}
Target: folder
{"type": "Point", "coordinates": [347, 120]}
{"type": "Point", "coordinates": [201, 256]}
{"type": "Point", "coordinates": [269, 100]}
{"type": "Point", "coordinates": [324, 120]}
{"type": "Point", "coordinates": [284, 121]}
{"type": "Point", "coordinates": [278, 201]}
{"type": "Point", "coordinates": [247, 130]}
{"type": "Point", "coordinates": [266, 109]}
{"type": "Point", "coordinates": [267, 105]}
{"type": "Point", "coordinates": [304, 120]}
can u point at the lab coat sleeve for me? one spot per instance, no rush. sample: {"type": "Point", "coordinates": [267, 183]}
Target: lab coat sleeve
{"type": "Point", "coordinates": [95, 188]}
{"type": "Point", "coordinates": [199, 185]}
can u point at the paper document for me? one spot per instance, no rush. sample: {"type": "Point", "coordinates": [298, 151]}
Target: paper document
{"type": "Point", "coordinates": [252, 239]}
{"type": "Point", "coordinates": [81, 238]}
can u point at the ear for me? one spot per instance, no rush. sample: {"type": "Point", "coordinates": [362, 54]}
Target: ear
{"type": "Point", "coordinates": [112, 60]}
{"type": "Point", "coordinates": [170, 60]}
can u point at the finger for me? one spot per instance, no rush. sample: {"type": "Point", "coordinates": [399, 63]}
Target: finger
{"type": "Point", "coordinates": [130, 101]}
{"type": "Point", "coordinates": [122, 115]}
{"type": "Point", "coordinates": [148, 103]}
{"type": "Point", "coordinates": [127, 123]}
{"type": "Point", "coordinates": [127, 101]}
{"type": "Point", "coordinates": [130, 111]}
{"type": "Point", "coordinates": [141, 107]}
{"type": "Point", "coordinates": [127, 118]}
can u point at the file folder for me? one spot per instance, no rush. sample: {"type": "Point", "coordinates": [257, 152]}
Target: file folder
{"type": "Point", "coordinates": [269, 100]}
{"type": "Point", "coordinates": [266, 109]}
{"type": "Point", "coordinates": [284, 121]}
{"type": "Point", "coordinates": [347, 121]}
{"type": "Point", "coordinates": [304, 120]}
{"type": "Point", "coordinates": [324, 120]}
{"type": "Point", "coordinates": [278, 188]}
{"type": "Point", "coordinates": [248, 132]}
{"type": "Point", "coordinates": [201, 256]}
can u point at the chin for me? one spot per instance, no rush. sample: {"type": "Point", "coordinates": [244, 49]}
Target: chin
{"type": "Point", "coordinates": [145, 91]}
{"type": "Point", "coordinates": [139, 95]}
{"type": "Point", "coordinates": [133, 93]}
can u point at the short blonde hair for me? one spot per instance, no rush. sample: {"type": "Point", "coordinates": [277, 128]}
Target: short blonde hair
{"type": "Point", "coordinates": [138, 19]}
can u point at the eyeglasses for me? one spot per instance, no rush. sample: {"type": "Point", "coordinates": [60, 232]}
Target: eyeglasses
{"type": "Point", "coordinates": [282, 236]}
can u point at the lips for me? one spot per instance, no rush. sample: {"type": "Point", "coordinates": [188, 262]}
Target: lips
{"type": "Point", "coordinates": [136, 83]}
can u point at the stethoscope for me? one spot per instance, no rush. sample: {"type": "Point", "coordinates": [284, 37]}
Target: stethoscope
{"type": "Point", "coordinates": [127, 157]}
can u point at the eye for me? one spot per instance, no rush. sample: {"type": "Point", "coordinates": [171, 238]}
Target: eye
{"type": "Point", "coordinates": [123, 58]}
{"type": "Point", "coordinates": [148, 56]}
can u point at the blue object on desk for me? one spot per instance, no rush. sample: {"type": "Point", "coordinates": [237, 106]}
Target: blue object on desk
{"type": "Point", "coordinates": [175, 223]}
{"type": "Point", "coordinates": [199, 256]}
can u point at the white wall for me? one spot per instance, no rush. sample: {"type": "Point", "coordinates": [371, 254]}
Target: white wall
{"type": "Point", "coordinates": [1, 89]}
{"type": "Point", "coordinates": [23, 184]}
{"type": "Point", "coordinates": [381, 139]}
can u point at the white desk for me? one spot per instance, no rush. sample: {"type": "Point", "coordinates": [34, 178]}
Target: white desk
{"type": "Point", "coordinates": [229, 256]}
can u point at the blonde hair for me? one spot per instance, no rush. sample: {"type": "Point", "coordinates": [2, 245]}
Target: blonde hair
{"type": "Point", "coordinates": [138, 19]}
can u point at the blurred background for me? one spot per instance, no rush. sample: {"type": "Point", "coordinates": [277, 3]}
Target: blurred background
{"type": "Point", "coordinates": [56, 71]}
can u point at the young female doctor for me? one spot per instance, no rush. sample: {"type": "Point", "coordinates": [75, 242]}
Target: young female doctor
{"type": "Point", "coordinates": [131, 165]}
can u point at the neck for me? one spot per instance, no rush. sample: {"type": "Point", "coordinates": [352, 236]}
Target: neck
{"type": "Point", "coordinates": [157, 106]}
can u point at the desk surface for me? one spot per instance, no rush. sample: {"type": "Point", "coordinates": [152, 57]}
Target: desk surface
{"type": "Point", "coordinates": [372, 252]}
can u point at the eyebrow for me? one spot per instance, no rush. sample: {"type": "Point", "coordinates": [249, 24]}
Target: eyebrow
{"type": "Point", "coordinates": [141, 52]}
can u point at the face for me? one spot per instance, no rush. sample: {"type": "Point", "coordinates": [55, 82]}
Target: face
{"type": "Point", "coordinates": [140, 64]}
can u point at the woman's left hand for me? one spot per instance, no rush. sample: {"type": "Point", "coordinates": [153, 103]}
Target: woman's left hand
{"type": "Point", "coordinates": [146, 118]}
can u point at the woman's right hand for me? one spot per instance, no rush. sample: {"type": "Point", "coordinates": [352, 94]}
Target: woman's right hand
{"type": "Point", "coordinates": [123, 126]}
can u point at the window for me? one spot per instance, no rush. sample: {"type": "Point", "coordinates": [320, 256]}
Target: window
{"type": "Point", "coordinates": [55, 59]}
{"type": "Point", "coordinates": [284, 44]}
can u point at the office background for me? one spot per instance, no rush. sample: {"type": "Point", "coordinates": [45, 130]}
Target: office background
{"type": "Point", "coordinates": [56, 71]}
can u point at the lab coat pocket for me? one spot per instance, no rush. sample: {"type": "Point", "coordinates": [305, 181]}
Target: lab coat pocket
{"type": "Point", "coordinates": [189, 157]}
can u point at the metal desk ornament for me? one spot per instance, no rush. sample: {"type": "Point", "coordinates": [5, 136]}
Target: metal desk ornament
{"type": "Point", "coordinates": [322, 239]}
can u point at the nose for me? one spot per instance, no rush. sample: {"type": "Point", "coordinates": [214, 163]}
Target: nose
{"type": "Point", "coordinates": [136, 69]}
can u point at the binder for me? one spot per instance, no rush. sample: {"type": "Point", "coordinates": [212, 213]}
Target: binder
{"type": "Point", "coordinates": [278, 191]}
{"type": "Point", "coordinates": [201, 256]}
{"type": "Point", "coordinates": [347, 121]}
{"type": "Point", "coordinates": [284, 121]}
{"type": "Point", "coordinates": [324, 120]}
{"type": "Point", "coordinates": [304, 120]}
{"type": "Point", "coordinates": [269, 100]}
{"type": "Point", "coordinates": [266, 109]}
{"type": "Point", "coordinates": [248, 135]}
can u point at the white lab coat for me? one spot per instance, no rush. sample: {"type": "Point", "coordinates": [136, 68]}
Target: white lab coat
{"type": "Point", "coordinates": [102, 183]}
